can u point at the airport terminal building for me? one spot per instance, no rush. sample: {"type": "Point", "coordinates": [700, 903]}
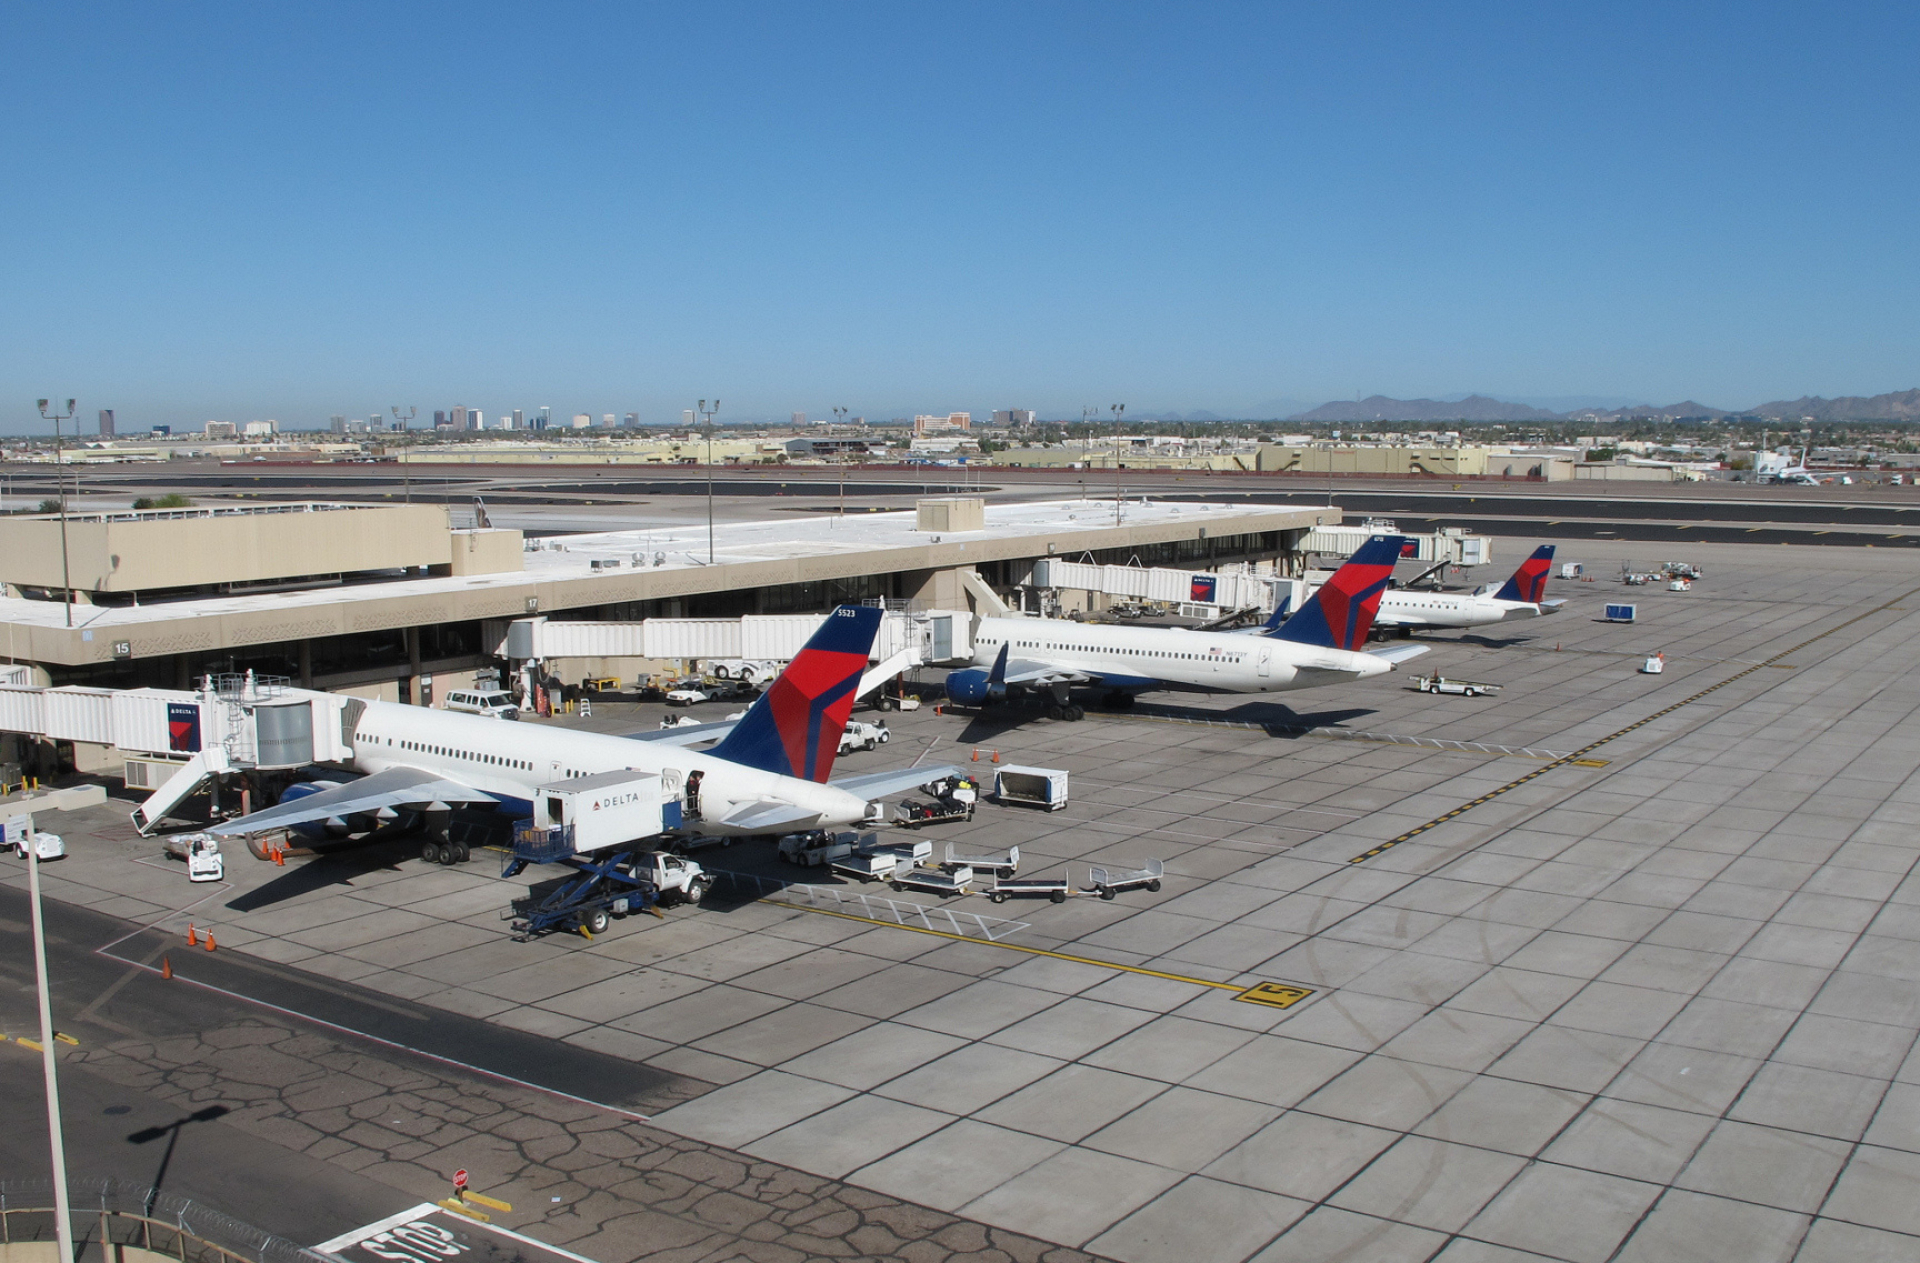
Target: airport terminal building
{"type": "Point", "coordinates": [369, 599]}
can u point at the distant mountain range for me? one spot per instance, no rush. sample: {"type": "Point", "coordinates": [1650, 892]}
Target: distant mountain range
{"type": "Point", "coordinates": [1898, 406]}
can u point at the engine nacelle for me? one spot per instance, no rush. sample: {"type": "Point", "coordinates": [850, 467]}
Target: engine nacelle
{"type": "Point", "coordinates": [314, 830]}
{"type": "Point", "coordinates": [973, 688]}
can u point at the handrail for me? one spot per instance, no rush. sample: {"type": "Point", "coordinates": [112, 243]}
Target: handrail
{"type": "Point", "coordinates": [102, 1212]}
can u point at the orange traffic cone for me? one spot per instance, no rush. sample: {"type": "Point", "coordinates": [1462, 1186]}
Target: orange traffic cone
{"type": "Point", "coordinates": [191, 941]}
{"type": "Point", "coordinates": [976, 755]}
{"type": "Point", "coordinates": [280, 856]}
{"type": "Point", "coordinates": [209, 940]}
{"type": "Point", "coordinates": [996, 756]}
{"type": "Point", "coordinates": [166, 967]}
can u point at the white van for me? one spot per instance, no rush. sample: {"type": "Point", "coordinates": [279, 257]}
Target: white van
{"type": "Point", "coordinates": [499, 705]}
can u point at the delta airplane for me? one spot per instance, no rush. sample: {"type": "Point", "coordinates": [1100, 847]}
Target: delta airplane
{"type": "Point", "coordinates": [768, 774]}
{"type": "Point", "coordinates": [1520, 597]}
{"type": "Point", "coordinates": [1318, 645]}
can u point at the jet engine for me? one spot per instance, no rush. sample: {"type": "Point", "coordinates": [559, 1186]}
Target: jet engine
{"type": "Point", "coordinates": [974, 687]}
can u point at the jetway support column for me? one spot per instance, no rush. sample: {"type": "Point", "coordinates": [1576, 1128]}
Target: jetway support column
{"type": "Point", "coordinates": [413, 665]}
{"type": "Point", "coordinates": [306, 664]}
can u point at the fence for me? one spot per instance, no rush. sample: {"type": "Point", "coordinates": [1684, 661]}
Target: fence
{"type": "Point", "coordinates": [109, 1213]}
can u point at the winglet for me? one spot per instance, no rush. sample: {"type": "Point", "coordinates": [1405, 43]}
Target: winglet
{"type": "Point", "coordinates": [1341, 613]}
{"type": "Point", "coordinates": [794, 728]}
{"type": "Point", "coordinates": [1529, 582]}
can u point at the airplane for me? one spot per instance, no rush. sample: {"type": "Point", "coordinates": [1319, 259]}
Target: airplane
{"type": "Point", "coordinates": [1522, 596]}
{"type": "Point", "coordinates": [1318, 645]}
{"type": "Point", "coordinates": [769, 773]}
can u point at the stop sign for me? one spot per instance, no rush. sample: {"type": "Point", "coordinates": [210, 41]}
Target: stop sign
{"type": "Point", "coordinates": [459, 1179]}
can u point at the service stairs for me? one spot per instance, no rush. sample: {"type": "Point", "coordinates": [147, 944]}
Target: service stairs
{"type": "Point", "coordinates": [195, 772]}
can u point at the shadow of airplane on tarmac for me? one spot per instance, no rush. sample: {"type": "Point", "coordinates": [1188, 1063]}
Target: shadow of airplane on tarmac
{"type": "Point", "coordinates": [1279, 719]}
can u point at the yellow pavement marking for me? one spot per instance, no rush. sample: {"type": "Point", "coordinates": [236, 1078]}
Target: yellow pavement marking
{"type": "Point", "coordinates": [1036, 951]}
{"type": "Point", "coordinates": [489, 1202]}
{"type": "Point", "coordinates": [34, 1044]}
{"type": "Point", "coordinates": [450, 1204]}
{"type": "Point", "coordinates": [1578, 757]}
{"type": "Point", "coordinates": [1275, 995]}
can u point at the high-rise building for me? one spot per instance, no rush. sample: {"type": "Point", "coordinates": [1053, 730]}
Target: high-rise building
{"type": "Point", "coordinates": [106, 423]}
{"type": "Point", "coordinates": [686, 417]}
{"type": "Point", "coordinates": [582, 420]}
{"type": "Point", "coordinates": [519, 419]}
{"type": "Point", "coordinates": [338, 423]}
{"type": "Point", "coordinates": [476, 420]}
{"type": "Point", "coordinates": [633, 420]}
{"type": "Point", "coordinates": [458, 418]}
{"type": "Point", "coordinates": [1013, 416]}
{"type": "Point", "coordinates": [439, 418]}
{"type": "Point", "coordinates": [546, 416]}
{"type": "Point", "coordinates": [799, 418]}
{"type": "Point", "coordinates": [606, 420]}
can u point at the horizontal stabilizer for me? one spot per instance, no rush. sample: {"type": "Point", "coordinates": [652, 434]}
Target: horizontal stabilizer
{"type": "Point", "coordinates": [686, 734]}
{"type": "Point", "coordinates": [767, 817]}
{"type": "Point", "coordinates": [1397, 654]}
{"type": "Point", "coordinates": [395, 787]}
{"type": "Point", "coordinates": [872, 785]}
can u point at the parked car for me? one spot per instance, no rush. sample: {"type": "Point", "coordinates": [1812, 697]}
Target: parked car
{"type": "Point", "coordinates": [687, 696]}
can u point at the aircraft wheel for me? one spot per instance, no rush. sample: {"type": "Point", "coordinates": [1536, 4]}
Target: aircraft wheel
{"type": "Point", "coordinates": [460, 853]}
{"type": "Point", "coordinates": [596, 922]}
{"type": "Point", "coordinates": [430, 852]}
{"type": "Point", "coordinates": [1076, 713]}
{"type": "Point", "coordinates": [1055, 711]}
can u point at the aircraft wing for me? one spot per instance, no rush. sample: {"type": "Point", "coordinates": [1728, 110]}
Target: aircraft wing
{"type": "Point", "coordinates": [1397, 654]}
{"type": "Point", "coordinates": [768, 817]}
{"type": "Point", "coordinates": [1026, 671]}
{"type": "Point", "coordinates": [1401, 620]}
{"type": "Point", "coordinates": [395, 787]}
{"type": "Point", "coordinates": [688, 735]}
{"type": "Point", "coordinates": [871, 785]}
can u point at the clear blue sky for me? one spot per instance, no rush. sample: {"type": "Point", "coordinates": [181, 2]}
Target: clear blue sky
{"type": "Point", "coordinates": [232, 211]}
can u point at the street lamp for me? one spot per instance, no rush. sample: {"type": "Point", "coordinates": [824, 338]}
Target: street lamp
{"type": "Point", "coordinates": [706, 415]}
{"type": "Point", "coordinates": [59, 472]}
{"type": "Point", "coordinates": [1119, 410]}
{"type": "Point", "coordinates": [62, 1215]}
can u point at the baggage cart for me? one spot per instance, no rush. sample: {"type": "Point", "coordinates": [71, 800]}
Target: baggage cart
{"type": "Point", "coordinates": [1055, 889]}
{"type": "Point", "coordinates": [1044, 787]}
{"type": "Point", "coordinates": [1003, 865]}
{"type": "Point", "coordinates": [1109, 882]}
{"type": "Point", "coordinates": [1621, 613]}
{"type": "Point", "coordinates": [935, 881]}
{"type": "Point", "coordinates": [878, 866]}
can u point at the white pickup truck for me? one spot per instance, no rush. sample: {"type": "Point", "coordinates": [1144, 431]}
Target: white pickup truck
{"type": "Point", "coordinates": [864, 736]}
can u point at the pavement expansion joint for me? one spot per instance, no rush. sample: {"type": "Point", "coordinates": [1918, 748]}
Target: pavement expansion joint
{"type": "Point", "coordinates": [1579, 757]}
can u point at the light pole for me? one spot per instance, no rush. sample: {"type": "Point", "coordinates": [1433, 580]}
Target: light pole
{"type": "Point", "coordinates": [59, 472]}
{"type": "Point", "coordinates": [706, 415]}
{"type": "Point", "coordinates": [62, 1216]}
{"type": "Point", "coordinates": [406, 466]}
{"type": "Point", "coordinates": [840, 419]}
{"type": "Point", "coordinates": [1119, 410]}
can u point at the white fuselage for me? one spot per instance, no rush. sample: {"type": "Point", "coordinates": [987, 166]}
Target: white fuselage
{"type": "Point", "coordinates": [1404, 607]}
{"type": "Point", "coordinates": [1140, 656]}
{"type": "Point", "coordinates": [512, 760]}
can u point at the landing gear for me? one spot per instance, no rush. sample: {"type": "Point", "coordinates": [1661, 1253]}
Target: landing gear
{"type": "Point", "coordinates": [430, 852]}
{"type": "Point", "coordinates": [1069, 713]}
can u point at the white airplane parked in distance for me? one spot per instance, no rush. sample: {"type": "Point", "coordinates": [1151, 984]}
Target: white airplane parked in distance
{"type": "Point", "coordinates": [1318, 645]}
{"type": "Point", "coordinates": [768, 774]}
{"type": "Point", "coordinates": [1521, 596]}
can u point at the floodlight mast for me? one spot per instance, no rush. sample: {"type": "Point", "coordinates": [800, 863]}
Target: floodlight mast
{"type": "Point", "coordinates": [59, 473]}
{"type": "Point", "coordinates": [840, 419]}
{"type": "Point", "coordinates": [1119, 410]}
{"type": "Point", "coordinates": [706, 415]}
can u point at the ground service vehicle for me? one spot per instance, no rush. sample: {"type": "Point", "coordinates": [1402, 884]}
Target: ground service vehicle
{"type": "Point", "coordinates": [496, 704]}
{"type": "Point", "coordinates": [953, 799]}
{"type": "Point", "coordinates": [1460, 688]}
{"type": "Point", "coordinates": [863, 736]}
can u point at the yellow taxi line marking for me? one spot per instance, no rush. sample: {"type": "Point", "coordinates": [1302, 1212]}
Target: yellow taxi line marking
{"type": "Point", "coordinates": [489, 1202]}
{"type": "Point", "coordinates": [1578, 755]}
{"type": "Point", "coordinates": [1052, 955]}
{"type": "Point", "coordinates": [449, 1203]}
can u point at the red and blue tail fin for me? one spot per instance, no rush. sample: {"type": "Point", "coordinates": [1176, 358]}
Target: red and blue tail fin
{"type": "Point", "coordinates": [794, 728]}
{"type": "Point", "coordinates": [1529, 582]}
{"type": "Point", "coordinates": [1341, 613]}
